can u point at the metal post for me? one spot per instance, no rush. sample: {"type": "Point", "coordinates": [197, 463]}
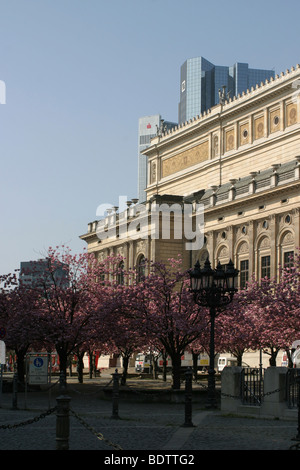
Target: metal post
{"type": "Point", "coordinates": [62, 382]}
{"type": "Point", "coordinates": [115, 395]}
{"type": "Point", "coordinates": [15, 390]}
{"type": "Point", "coordinates": [62, 423]}
{"type": "Point", "coordinates": [211, 399]}
{"type": "Point", "coordinates": [62, 417]}
{"type": "Point", "coordinates": [49, 379]}
{"type": "Point", "coordinates": [188, 398]}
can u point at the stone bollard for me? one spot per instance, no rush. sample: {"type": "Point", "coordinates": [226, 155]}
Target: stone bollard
{"type": "Point", "coordinates": [115, 395]}
{"type": "Point", "coordinates": [274, 404]}
{"type": "Point", "coordinates": [231, 389]}
{"type": "Point", "coordinates": [188, 399]}
{"type": "Point", "coordinates": [62, 417]}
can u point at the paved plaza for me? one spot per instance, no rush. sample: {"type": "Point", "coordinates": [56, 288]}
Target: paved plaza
{"type": "Point", "coordinates": [143, 424]}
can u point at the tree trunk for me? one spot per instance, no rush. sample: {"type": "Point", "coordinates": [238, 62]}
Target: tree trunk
{"type": "Point", "coordinates": [91, 364]}
{"type": "Point", "coordinates": [176, 369]}
{"type": "Point", "coordinates": [80, 367]}
{"type": "Point", "coordinates": [20, 353]}
{"type": "Point", "coordinates": [273, 357]}
{"type": "Point", "coordinates": [70, 366]}
{"type": "Point", "coordinates": [154, 367]}
{"type": "Point", "coordinates": [239, 358]}
{"type": "Point", "coordinates": [165, 355]}
{"type": "Point", "coordinates": [63, 360]}
{"type": "Point", "coordinates": [125, 368]}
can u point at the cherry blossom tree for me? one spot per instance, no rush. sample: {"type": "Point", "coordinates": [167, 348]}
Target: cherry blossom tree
{"type": "Point", "coordinates": [66, 306]}
{"type": "Point", "coordinates": [169, 312]}
{"type": "Point", "coordinates": [19, 315]}
{"type": "Point", "coordinates": [79, 304]}
{"type": "Point", "coordinates": [237, 331]}
{"type": "Point", "coordinates": [273, 313]}
{"type": "Point", "coordinates": [265, 315]}
{"type": "Point", "coordinates": [118, 316]}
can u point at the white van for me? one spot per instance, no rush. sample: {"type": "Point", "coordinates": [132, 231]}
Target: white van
{"type": "Point", "coordinates": [143, 362]}
{"type": "Point", "coordinates": [225, 361]}
{"type": "Point", "coordinates": [296, 357]}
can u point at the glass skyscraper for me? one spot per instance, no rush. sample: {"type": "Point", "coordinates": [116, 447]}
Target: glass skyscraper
{"type": "Point", "coordinates": [200, 82]}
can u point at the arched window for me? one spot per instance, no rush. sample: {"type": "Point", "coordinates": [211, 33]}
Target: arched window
{"type": "Point", "coordinates": [264, 257]}
{"type": "Point", "coordinates": [287, 248]}
{"type": "Point", "coordinates": [242, 258]}
{"type": "Point", "coordinates": [120, 274]}
{"type": "Point", "coordinates": [141, 268]}
{"type": "Point", "coordinates": [222, 255]}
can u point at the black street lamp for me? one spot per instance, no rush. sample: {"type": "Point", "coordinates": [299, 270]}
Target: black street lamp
{"type": "Point", "coordinates": [213, 288]}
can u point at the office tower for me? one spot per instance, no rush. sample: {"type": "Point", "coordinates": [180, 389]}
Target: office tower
{"type": "Point", "coordinates": [149, 126]}
{"type": "Point", "coordinates": [43, 272]}
{"type": "Point", "coordinates": [201, 80]}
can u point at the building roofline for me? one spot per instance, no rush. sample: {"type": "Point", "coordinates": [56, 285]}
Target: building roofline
{"type": "Point", "coordinates": [268, 88]}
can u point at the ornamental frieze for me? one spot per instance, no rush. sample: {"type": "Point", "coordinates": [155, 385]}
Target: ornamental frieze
{"type": "Point", "coordinates": [185, 160]}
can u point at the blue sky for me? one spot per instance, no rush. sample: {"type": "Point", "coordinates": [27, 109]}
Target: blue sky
{"type": "Point", "coordinates": [80, 73]}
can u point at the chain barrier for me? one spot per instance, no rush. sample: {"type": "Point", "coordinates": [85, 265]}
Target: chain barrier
{"type": "Point", "coordinates": [205, 387]}
{"type": "Point", "coordinates": [29, 421]}
{"type": "Point", "coordinates": [99, 435]}
{"type": "Point", "coordinates": [238, 397]}
{"type": "Point", "coordinates": [138, 392]}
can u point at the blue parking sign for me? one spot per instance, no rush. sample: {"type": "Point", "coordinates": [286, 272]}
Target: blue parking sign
{"type": "Point", "coordinates": [38, 362]}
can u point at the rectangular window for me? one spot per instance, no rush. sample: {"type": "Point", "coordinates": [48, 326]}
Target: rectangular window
{"type": "Point", "coordinates": [288, 259]}
{"type": "Point", "coordinates": [244, 273]}
{"type": "Point", "coordinates": [265, 266]}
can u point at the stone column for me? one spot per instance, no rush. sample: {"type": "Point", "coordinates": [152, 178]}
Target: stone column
{"type": "Point", "coordinates": [273, 250]}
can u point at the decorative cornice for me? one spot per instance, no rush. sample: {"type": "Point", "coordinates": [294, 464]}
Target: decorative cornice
{"type": "Point", "coordinates": [222, 199]}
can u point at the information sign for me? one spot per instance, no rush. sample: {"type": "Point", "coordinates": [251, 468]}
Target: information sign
{"type": "Point", "coordinates": [38, 369]}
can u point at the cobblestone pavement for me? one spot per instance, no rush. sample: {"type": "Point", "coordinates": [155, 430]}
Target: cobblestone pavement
{"type": "Point", "coordinates": [141, 425]}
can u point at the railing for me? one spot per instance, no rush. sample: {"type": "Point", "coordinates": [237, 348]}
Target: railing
{"type": "Point", "coordinates": [252, 386]}
{"type": "Point", "coordinates": [292, 388]}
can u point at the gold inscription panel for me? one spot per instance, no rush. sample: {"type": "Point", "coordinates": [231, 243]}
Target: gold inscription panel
{"type": "Point", "coordinates": [185, 160]}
